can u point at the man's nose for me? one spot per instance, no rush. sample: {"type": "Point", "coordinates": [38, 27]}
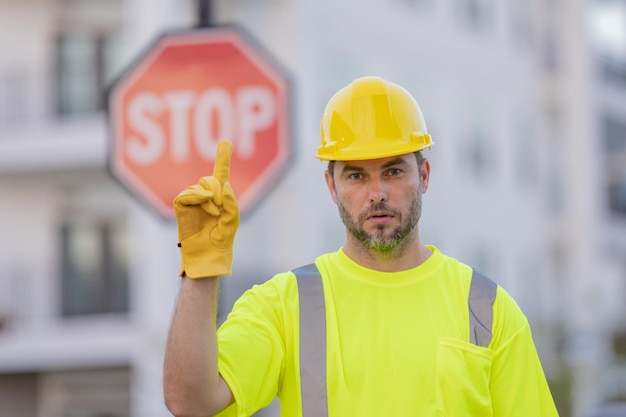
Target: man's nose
{"type": "Point", "coordinates": [377, 191]}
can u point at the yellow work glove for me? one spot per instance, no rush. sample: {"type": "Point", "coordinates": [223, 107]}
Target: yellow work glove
{"type": "Point", "coordinates": [208, 216]}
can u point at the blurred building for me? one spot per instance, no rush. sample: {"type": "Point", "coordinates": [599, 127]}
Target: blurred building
{"type": "Point", "coordinates": [525, 99]}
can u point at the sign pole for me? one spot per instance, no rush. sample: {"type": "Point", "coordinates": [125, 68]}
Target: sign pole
{"type": "Point", "coordinates": [205, 13]}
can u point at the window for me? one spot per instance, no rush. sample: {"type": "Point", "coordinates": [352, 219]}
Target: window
{"type": "Point", "coordinates": [85, 62]}
{"type": "Point", "coordinates": [526, 158]}
{"type": "Point", "coordinates": [607, 21]}
{"type": "Point", "coordinates": [94, 267]}
{"type": "Point", "coordinates": [521, 22]}
{"type": "Point", "coordinates": [557, 149]}
{"type": "Point", "coordinates": [550, 40]}
{"type": "Point", "coordinates": [477, 153]}
{"type": "Point", "coordinates": [413, 3]}
{"type": "Point", "coordinates": [18, 393]}
{"type": "Point", "coordinates": [550, 52]}
{"type": "Point", "coordinates": [614, 133]}
{"type": "Point", "coordinates": [87, 52]}
{"type": "Point", "coordinates": [14, 90]}
{"type": "Point", "coordinates": [613, 71]}
{"type": "Point", "coordinates": [85, 393]}
{"type": "Point", "coordinates": [555, 185]}
{"type": "Point", "coordinates": [476, 13]}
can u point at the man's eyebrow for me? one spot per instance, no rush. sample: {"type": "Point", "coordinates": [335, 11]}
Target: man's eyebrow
{"type": "Point", "coordinates": [394, 162]}
{"type": "Point", "coordinates": [351, 168]}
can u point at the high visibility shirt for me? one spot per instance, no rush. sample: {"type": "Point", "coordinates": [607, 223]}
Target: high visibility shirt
{"type": "Point", "coordinates": [397, 345]}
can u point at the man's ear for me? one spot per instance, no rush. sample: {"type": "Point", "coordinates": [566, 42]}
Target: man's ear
{"type": "Point", "coordinates": [330, 183]}
{"type": "Point", "coordinates": [424, 175]}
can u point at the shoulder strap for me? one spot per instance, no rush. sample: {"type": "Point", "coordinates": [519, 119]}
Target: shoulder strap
{"type": "Point", "coordinates": [312, 341]}
{"type": "Point", "coordinates": [482, 294]}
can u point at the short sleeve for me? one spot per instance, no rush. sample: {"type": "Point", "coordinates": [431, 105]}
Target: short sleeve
{"type": "Point", "coordinates": [251, 349]}
{"type": "Point", "coordinates": [518, 383]}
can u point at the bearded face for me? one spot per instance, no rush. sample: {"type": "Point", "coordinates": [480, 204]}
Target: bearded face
{"type": "Point", "coordinates": [384, 239]}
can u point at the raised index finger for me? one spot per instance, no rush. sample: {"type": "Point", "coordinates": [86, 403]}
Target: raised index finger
{"type": "Point", "coordinates": [221, 169]}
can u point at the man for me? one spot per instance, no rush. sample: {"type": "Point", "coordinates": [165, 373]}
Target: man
{"type": "Point", "coordinates": [385, 326]}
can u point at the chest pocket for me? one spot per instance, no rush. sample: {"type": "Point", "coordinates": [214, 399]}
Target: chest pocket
{"type": "Point", "coordinates": [313, 388]}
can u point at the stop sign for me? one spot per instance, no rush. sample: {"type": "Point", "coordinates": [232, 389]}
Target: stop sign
{"type": "Point", "coordinates": [187, 92]}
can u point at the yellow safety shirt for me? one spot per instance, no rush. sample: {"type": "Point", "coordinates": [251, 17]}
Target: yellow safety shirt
{"type": "Point", "coordinates": [397, 345]}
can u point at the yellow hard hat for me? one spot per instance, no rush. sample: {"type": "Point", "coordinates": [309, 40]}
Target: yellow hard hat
{"type": "Point", "coordinates": [371, 118]}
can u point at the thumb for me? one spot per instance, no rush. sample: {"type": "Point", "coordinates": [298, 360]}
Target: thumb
{"type": "Point", "coordinates": [193, 195]}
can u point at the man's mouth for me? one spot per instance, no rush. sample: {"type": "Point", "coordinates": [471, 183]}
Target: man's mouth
{"type": "Point", "coordinates": [379, 217]}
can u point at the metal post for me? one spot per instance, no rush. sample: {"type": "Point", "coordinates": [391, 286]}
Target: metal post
{"type": "Point", "coordinates": [205, 13]}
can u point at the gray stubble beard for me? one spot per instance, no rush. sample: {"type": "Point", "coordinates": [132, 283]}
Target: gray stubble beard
{"type": "Point", "coordinates": [397, 241]}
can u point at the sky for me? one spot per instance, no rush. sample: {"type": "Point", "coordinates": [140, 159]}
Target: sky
{"type": "Point", "coordinates": [608, 26]}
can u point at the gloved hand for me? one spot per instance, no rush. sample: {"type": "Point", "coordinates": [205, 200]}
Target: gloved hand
{"type": "Point", "coordinates": [208, 216]}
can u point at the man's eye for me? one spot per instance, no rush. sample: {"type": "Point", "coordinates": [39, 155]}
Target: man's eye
{"type": "Point", "coordinates": [356, 176]}
{"type": "Point", "coordinates": [394, 171]}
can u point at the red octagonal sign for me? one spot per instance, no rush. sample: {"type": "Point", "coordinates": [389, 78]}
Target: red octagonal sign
{"type": "Point", "coordinates": [186, 93]}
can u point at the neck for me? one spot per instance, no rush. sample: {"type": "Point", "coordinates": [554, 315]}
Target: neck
{"type": "Point", "coordinates": [407, 255]}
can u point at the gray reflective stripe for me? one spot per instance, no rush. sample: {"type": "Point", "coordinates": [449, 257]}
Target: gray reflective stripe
{"type": "Point", "coordinates": [482, 294]}
{"type": "Point", "coordinates": [312, 342]}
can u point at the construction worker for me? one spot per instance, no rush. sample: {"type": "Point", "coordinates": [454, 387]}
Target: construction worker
{"type": "Point", "coordinates": [384, 326]}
